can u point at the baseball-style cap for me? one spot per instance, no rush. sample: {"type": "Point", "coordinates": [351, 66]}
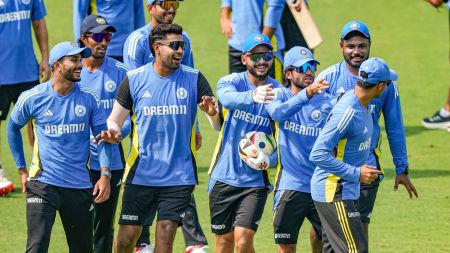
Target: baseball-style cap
{"type": "Point", "coordinates": [67, 49]}
{"type": "Point", "coordinates": [297, 56]}
{"type": "Point", "coordinates": [152, 1]}
{"type": "Point", "coordinates": [355, 25]}
{"type": "Point", "coordinates": [375, 70]}
{"type": "Point", "coordinates": [254, 40]}
{"type": "Point", "coordinates": [95, 23]}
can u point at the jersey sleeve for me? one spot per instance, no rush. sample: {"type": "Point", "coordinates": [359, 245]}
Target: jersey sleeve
{"type": "Point", "coordinates": [229, 96]}
{"type": "Point", "coordinates": [225, 3]}
{"type": "Point", "coordinates": [80, 9]}
{"type": "Point", "coordinates": [203, 87]}
{"type": "Point", "coordinates": [322, 152]}
{"type": "Point", "coordinates": [273, 14]}
{"type": "Point", "coordinates": [133, 51]}
{"type": "Point", "coordinates": [393, 121]}
{"type": "Point", "coordinates": [38, 12]}
{"type": "Point", "coordinates": [139, 16]}
{"type": "Point", "coordinates": [124, 95]}
{"type": "Point", "coordinates": [281, 108]}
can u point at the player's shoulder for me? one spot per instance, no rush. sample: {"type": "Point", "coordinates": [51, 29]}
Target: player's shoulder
{"type": "Point", "coordinates": [113, 63]}
{"type": "Point", "coordinates": [136, 71]}
{"type": "Point", "coordinates": [331, 70]}
{"type": "Point", "coordinates": [186, 36]}
{"type": "Point", "coordinates": [32, 94]}
{"type": "Point", "coordinates": [138, 35]}
{"type": "Point", "coordinates": [232, 78]}
{"type": "Point", "coordinates": [187, 69]}
{"type": "Point", "coordinates": [87, 91]}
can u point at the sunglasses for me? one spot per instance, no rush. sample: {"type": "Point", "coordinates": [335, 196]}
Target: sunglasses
{"type": "Point", "coordinates": [166, 5]}
{"type": "Point", "coordinates": [304, 68]}
{"type": "Point", "coordinates": [257, 57]}
{"type": "Point", "coordinates": [174, 45]}
{"type": "Point", "coordinates": [98, 37]}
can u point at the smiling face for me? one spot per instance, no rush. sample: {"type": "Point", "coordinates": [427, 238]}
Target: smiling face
{"type": "Point", "coordinates": [160, 15]}
{"type": "Point", "coordinates": [298, 79]}
{"type": "Point", "coordinates": [260, 67]}
{"type": "Point", "coordinates": [98, 48]}
{"type": "Point", "coordinates": [355, 49]}
{"type": "Point", "coordinates": [169, 57]}
{"type": "Point", "coordinates": [69, 67]}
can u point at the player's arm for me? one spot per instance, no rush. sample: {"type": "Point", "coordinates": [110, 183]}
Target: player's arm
{"type": "Point", "coordinates": [139, 17]}
{"type": "Point", "coordinates": [272, 17]}
{"type": "Point", "coordinates": [281, 109]}
{"type": "Point", "coordinates": [80, 10]}
{"type": "Point", "coordinates": [225, 18]}
{"type": "Point", "coordinates": [133, 51]}
{"type": "Point", "coordinates": [393, 121]}
{"type": "Point", "coordinates": [120, 112]}
{"type": "Point", "coordinates": [207, 101]}
{"type": "Point", "coordinates": [40, 31]}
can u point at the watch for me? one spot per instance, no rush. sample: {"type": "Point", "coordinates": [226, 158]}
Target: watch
{"type": "Point", "coordinates": [106, 173]}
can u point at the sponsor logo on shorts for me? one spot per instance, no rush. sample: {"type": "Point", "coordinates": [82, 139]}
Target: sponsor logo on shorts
{"type": "Point", "coordinates": [129, 217]}
{"type": "Point", "coordinates": [257, 222]}
{"type": "Point", "coordinates": [34, 200]}
{"type": "Point", "coordinates": [182, 215]}
{"type": "Point", "coordinates": [218, 227]}
{"type": "Point", "coordinates": [282, 236]}
{"type": "Point", "coordinates": [91, 208]}
{"type": "Point", "coordinates": [353, 214]}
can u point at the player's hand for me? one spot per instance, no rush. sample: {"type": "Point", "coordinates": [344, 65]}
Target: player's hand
{"type": "Point", "coordinates": [23, 172]}
{"type": "Point", "coordinates": [368, 174]}
{"type": "Point", "coordinates": [317, 87]}
{"type": "Point", "coordinates": [208, 105]}
{"type": "Point", "coordinates": [102, 189]}
{"type": "Point", "coordinates": [263, 94]}
{"type": "Point", "coordinates": [110, 136]}
{"type": "Point", "coordinates": [198, 140]}
{"type": "Point", "coordinates": [44, 71]}
{"type": "Point", "coordinates": [404, 180]}
{"type": "Point", "coordinates": [227, 28]}
{"type": "Point", "coordinates": [435, 3]}
{"type": "Point", "coordinates": [260, 162]}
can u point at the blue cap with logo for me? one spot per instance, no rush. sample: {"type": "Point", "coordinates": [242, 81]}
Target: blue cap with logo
{"type": "Point", "coordinates": [355, 25]}
{"type": "Point", "coordinates": [95, 23]}
{"type": "Point", "coordinates": [254, 40]}
{"type": "Point", "coordinates": [375, 70]}
{"type": "Point", "coordinates": [297, 56]}
{"type": "Point", "coordinates": [67, 49]}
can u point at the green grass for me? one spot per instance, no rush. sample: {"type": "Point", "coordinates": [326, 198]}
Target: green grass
{"type": "Point", "coordinates": [410, 35]}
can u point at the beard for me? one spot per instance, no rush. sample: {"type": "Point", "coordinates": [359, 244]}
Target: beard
{"type": "Point", "coordinates": [71, 76]}
{"type": "Point", "coordinates": [348, 59]}
{"type": "Point", "coordinates": [260, 76]}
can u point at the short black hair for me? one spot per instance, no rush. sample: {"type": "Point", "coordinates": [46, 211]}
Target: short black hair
{"type": "Point", "coordinates": [365, 85]}
{"type": "Point", "coordinates": [159, 32]}
{"type": "Point", "coordinates": [286, 82]}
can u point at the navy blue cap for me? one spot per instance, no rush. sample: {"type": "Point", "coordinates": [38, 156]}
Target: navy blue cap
{"type": "Point", "coordinates": [254, 40]}
{"type": "Point", "coordinates": [297, 56]}
{"type": "Point", "coordinates": [95, 23]}
{"type": "Point", "coordinates": [355, 25]}
{"type": "Point", "coordinates": [375, 70]}
{"type": "Point", "coordinates": [67, 49]}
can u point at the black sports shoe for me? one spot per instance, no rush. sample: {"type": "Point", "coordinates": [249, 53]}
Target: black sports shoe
{"type": "Point", "coordinates": [436, 122]}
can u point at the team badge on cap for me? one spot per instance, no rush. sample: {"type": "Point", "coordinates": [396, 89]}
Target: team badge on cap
{"type": "Point", "coordinates": [182, 93]}
{"type": "Point", "coordinates": [303, 52]}
{"type": "Point", "coordinates": [110, 86]}
{"type": "Point", "coordinates": [80, 110]}
{"type": "Point", "coordinates": [354, 25]}
{"type": "Point", "coordinates": [258, 38]}
{"type": "Point", "coordinates": [100, 20]}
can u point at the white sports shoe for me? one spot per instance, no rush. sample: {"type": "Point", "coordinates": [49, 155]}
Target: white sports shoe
{"type": "Point", "coordinates": [200, 248]}
{"type": "Point", "coordinates": [144, 249]}
{"type": "Point", "coordinates": [6, 186]}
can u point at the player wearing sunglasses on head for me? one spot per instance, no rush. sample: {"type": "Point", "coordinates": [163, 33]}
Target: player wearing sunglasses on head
{"type": "Point", "coordinates": [238, 190]}
{"type": "Point", "coordinates": [126, 16]}
{"type": "Point", "coordinates": [103, 74]}
{"type": "Point", "coordinates": [300, 111]}
{"type": "Point", "coordinates": [161, 170]}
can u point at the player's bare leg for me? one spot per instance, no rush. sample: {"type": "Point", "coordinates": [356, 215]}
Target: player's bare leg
{"type": "Point", "coordinates": [243, 240]}
{"type": "Point", "coordinates": [316, 244]}
{"type": "Point", "coordinates": [126, 238]}
{"type": "Point", "coordinates": [225, 243]}
{"type": "Point", "coordinates": [287, 248]}
{"type": "Point", "coordinates": [165, 235]}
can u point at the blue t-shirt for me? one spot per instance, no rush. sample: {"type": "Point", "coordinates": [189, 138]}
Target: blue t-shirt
{"type": "Point", "coordinates": [342, 80]}
{"type": "Point", "coordinates": [247, 18]}
{"type": "Point", "coordinates": [18, 63]}
{"type": "Point", "coordinates": [163, 112]}
{"type": "Point", "coordinates": [105, 82]}
{"type": "Point", "coordinates": [299, 121]}
{"type": "Point", "coordinates": [62, 127]}
{"type": "Point", "coordinates": [347, 134]}
{"type": "Point", "coordinates": [241, 115]}
{"type": "Point", "coordinates": [125, 16]}
{"type": "Point", "coordinates": [136, 51]}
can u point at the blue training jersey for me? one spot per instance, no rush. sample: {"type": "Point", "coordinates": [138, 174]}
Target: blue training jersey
{"type": "Point", "coordinates": [125, 16]}
{"type": "Point", "coordinates": [18, 63]}
{"type": "Point", "coordinates": [241, 115]}
{"type": "Point", "coordinates": [59, 121]}
{"type": "Point", "coordinates": [341, 80]}
{"type": "Point", "coordinates": [347, 134]}
{"type": "Point", "coordinates": [299, 121]}
{"type": "Point", "coordinates": [247, 18]}
{"type": "Point", "coordinates": [163, 113]}
{"type": "Point", "coordinates": [136, 51]}
{"type": "Point", "coordinates": [105, 83]}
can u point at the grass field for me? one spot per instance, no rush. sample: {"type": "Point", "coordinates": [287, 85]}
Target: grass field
{"type": "Point", "coordinates": [409, 34]}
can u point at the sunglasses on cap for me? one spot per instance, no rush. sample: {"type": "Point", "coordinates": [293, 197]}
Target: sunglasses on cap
{"type": "Point", "coordinates": [304, 68]}
{"type": "Point", "coordinates": [257, 57]}
{"type": "Point", "coordinates": [174, 45]}
{"type": "Point", "coordinates": [166, 5]}
{"type": "Point", "coordinates": [98, 37]}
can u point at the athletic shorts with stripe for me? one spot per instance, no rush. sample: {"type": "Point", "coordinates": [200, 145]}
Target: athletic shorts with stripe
{"type": "Point", "coordinates": [232, 206]}
{"type": "Point", "coordinates": [290, 210]}
{"type": "Point", "coordinates": [342, 227]}
{"type": "Point", "coordinates": [141, 203]}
